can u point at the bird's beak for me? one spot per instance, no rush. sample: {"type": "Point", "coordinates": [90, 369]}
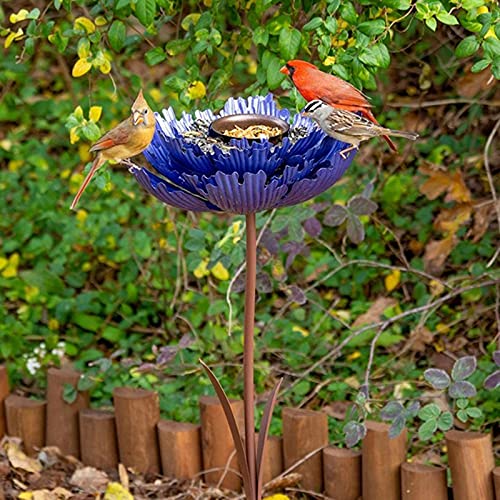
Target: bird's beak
{"type": "Point", "coordinates": [137, 117]}
{"type": "Point", "coordinates": [285, 70]}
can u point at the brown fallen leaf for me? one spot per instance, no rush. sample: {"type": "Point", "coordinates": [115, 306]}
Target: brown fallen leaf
{"type": "Point", "coordinates": [449, 220]}
{"type": "Point", "coordinates": [470, 84]}
{"type": "Point", "coordinates": [375, 311]}
{"type": "Point", "coordinates": [420, 338]}
{"type": "Point", "coordinates": [89, 479]}
{"type": "Point", "coordinates": [436, 253]}
{"type": "Point", "coordinates": [483, 216]}
{"type": "Point", "coordinates": [19, 460]}
{"type": "Point", "coordinates": [442, 181]}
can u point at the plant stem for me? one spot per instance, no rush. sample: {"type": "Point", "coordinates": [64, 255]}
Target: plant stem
{"type": "Point", "coordinates": [248, 349]}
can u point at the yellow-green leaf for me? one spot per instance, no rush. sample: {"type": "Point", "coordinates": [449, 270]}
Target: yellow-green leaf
{"type": "Point", "coordinates": [105, 67]}
{"type": "Point", "coordinates": [20, 16]}
{"type": "Point", "coordinates": [73, 136]}
{"type": "Point", "coordinates": [392, 280]}
{"type": "Point", "coordinates": [81, 67]}
{"type": "Point", "coordinates": [190, 19]}
{"type": "Point", "coordinates": [197, 90]}
{"type": "Point", "coordinates": [85, 24]}
{"type": "Point", "coordinates": [201, 270]}
{"type": "Point", "coordinates": [100, 21]}
{"type": "Point", "coordinates": [10, 271]}
{"type": "Point", "coordinates": [95, 113]}
{"type": "Point", "coordinates": [12, 37]}
{"type": "Point", "coordinates": [115, 491]}
{"type": "Point", "coordinates": [220, 272]}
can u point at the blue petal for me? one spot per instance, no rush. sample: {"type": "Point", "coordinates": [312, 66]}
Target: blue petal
{"type": "Point", "coordinates": [254, 194]}
{"type": "Point", "coordinates": [170, 194]}
{"type": "Point", "coordinates": [309, 187]}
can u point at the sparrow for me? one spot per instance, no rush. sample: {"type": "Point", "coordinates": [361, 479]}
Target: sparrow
{"type": "Point", "coordinates": [313, 83]}
{"type": "Point", "coordinates": [129, 138]}
{"type": "Point", "coordinates": [347, 126]}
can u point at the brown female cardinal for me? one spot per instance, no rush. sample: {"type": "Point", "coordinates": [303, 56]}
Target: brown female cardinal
{"type": "Point", "coordinates": [129, 138]}
{"type": "Point", "coordinates": [313, 83]}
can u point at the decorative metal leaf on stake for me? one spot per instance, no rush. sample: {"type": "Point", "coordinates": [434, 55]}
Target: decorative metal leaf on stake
{"type": "Point", "coordinates": [233, 426]}
{"type": "Point", "coordinates": [263, 433]}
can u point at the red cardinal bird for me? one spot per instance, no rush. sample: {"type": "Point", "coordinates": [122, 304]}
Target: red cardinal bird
{"type": "Point", "coordinates": [129, 138]}
{"type": "Point", "coordinates": [313, 84]}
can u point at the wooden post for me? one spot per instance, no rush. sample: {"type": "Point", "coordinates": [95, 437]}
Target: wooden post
{"type": "Point", "coordinates": [423, 482]}
{"type": "Point", "coordinates": [137, 412]}
{"type": "Point", "coordinates": [272, 463]}
{"type": "Point", "coordinates": [99, 446]}
{"type": "Point", "coordinates": [470, 458]}
{"type": "Point", "coordinates": [4, 392]}
{"type": "Point", "coordinates": [180, 449]}
{"type": "Point", "coordinates": [62, 418]}
{"type": "Point", "coordinates": [381, 461]}
{"type": "Point", "coordinates": [26, 420]}
{"type": "Point", "coordinates": [303, 432]}
{"type": "Point", "coordinates": [217, 443]}
{"type": "Point", "coordinates": [496, 481]}
{"type": "Point", "coordinates": [342, 473]}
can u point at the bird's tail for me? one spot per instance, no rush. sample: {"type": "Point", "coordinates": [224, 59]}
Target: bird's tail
{"type": "Point", "coordinates": [368, 114]}
{"type": "Point", "coordinates": [99, 160]}
{"type": "Point", "coordinates": [401, 133]}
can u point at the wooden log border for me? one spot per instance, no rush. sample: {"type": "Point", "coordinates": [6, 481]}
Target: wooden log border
{"type": "Point", "coordinates": [134, 434]}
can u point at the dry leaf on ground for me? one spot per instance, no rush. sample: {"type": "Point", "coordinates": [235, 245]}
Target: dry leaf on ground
{"type": "Point", "coordinates": [440, 182]}
{"type": "Point", "coordinates": [375, 311]}
{"type": "Point", "coordinates": [436, 253]}
{"type": "Point", "coordinates": [89, 479]}
{"type": "Point", "coordinates": [19, 460]}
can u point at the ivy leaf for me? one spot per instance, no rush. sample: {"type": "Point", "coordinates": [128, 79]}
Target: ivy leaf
{"type": "Point", "coordinates": [463, 368]}
{"type": "Point", "coordinates": [391, 410]}
{"type": "Point", "coordinates": [289, 42]}
{"type": "Point", "coordinates": [335, 216]}
{"type": "Point", "coordinates": [116, 35]}
{"type": "Point", "coordinates": [360, 205]}
{"type": "Point", "coordinates": [355, 229]}
{"type": "Point", "coordinates": [439, 379]}
{"type": "Point", "coordinates": [462, 389]}
{"type": "Point", "coordinates": [145, 11]}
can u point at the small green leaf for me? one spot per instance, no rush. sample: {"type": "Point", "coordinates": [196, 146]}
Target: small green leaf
{"type": "Point", "coordinates": [274, 77]}
{"type": "Point", "coordinates": [445, 421]}
{"type": "Point", "coordinates": [313, 24]}
{"type": "Point", "coordinates": [429, 411]}
{"type": "Point", "coordinates": [474, 412]}
{"type": "Point", "coordinates": [145, 11]}
{"type": "Point", "coordinates": [462, 415]}
{"type": "Point", "coordinates": [85, 383]}
{"type": "Point", "coordinates": [155, 56]}
{"type": "Point", "coordinates": [260, 36]}
{"type": "Point", "coordinates": [427, 429]}
{"type": "Point", "coordinates": [372, 28]}
{"type": "Point", "coordinates": [289, 42]}
{"type": "Point", "coordinates": [116, 35]}
{"type": "Point", "coordinates": [69, 394]}
{"type": "Point", "coordinates": [446, 18]}
{"type": "Point", "coordinates": [480, 65]}
{"type": "Point", "coordinates": [431, 23]}
{"type": "Point", "coordinates": [462, 403]}
{"type": "Point", "coordinates": [87, 321]}
{"type": "Point", "coordinates": [467, 47]}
